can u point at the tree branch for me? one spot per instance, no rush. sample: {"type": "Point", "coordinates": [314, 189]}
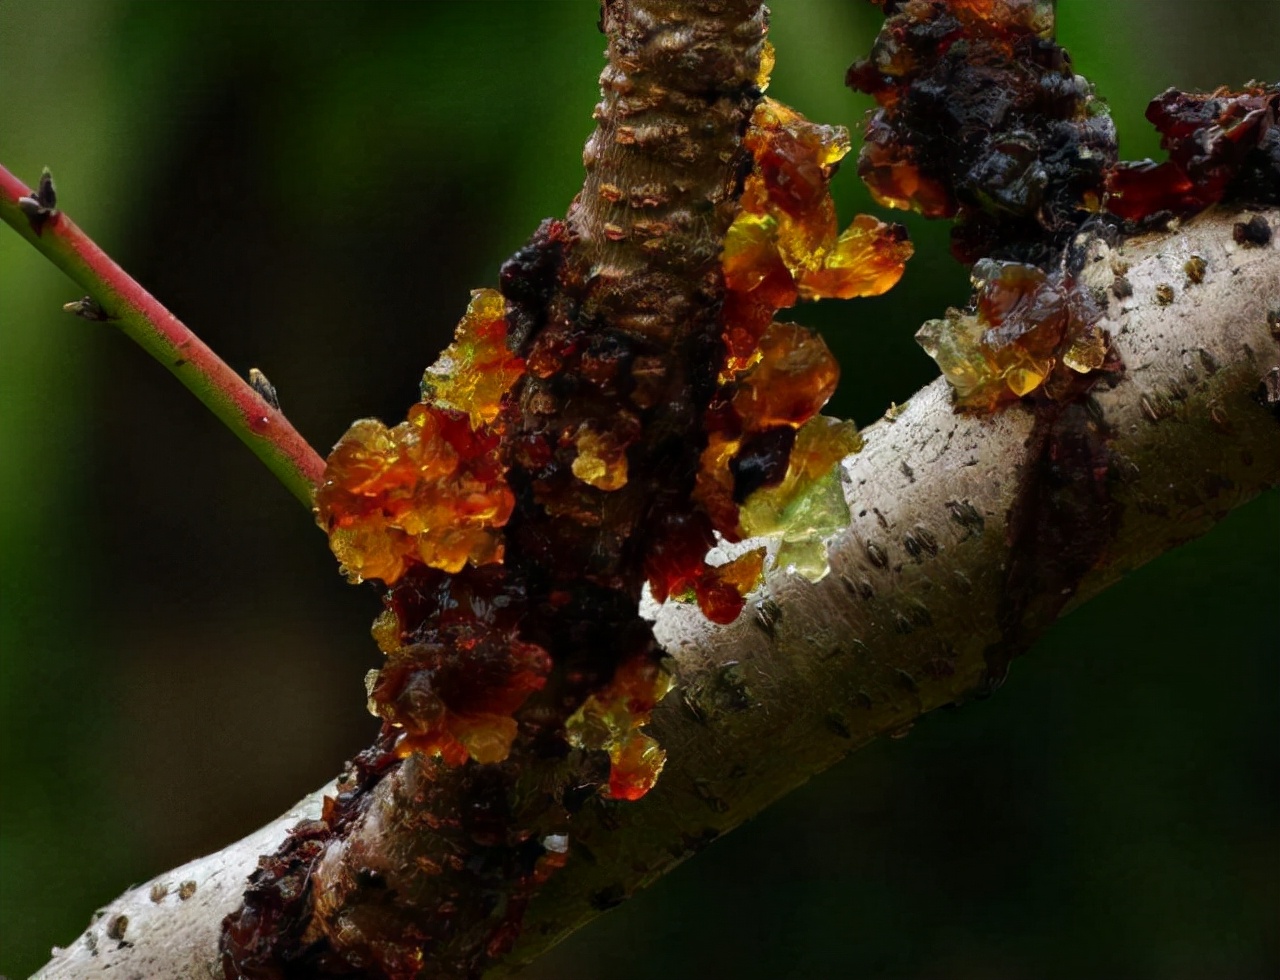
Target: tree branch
{"type": "Point", "coordinates": [919, 610]}
{"type": "Point", "coordinates": [117, 298]}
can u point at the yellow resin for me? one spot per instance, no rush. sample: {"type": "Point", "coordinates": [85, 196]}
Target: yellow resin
{"type": "Point", "coordinates": [744, 573]}
{"type": "Point", "coordinates": [788, 216]}
{"type": "Point", "coordinates": [611, 720]}
{"type": "Point", "coordinates": [386, 631]}
{"type": "Point", "coordinates": [600, 462]}
{"type": "Point", "coordinates": [808, 506]}
{"type": "Point", "coordinates": [768, 57]}
{"type": "Point", "coordinates": [1088, 352]}
{"type": "Point", "coordinates": [1022, 326]}
{"type": "Point", "coordinates": [431, 489]}
{"type": "Point", "coordinates": [476, 370]}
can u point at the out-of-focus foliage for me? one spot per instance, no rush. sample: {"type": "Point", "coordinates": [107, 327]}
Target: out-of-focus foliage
{"type": "Point", "coordinates": [316, 188]}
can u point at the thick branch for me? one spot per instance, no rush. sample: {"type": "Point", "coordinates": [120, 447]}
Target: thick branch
{"type": "Point", "coordinates": [117, 298]}
{"type": "Point", "coordinates": [929, 596]}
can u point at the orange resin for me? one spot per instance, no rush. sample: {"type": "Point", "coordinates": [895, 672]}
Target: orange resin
{"type": "Point", "coordinates": [611, 720]}
{"type": "Point", "coordinates": [785, 245]}
{"type": "Point", "coordinates": [1025, 328]}
{"type": "Point", "coordinates": [431, 490]}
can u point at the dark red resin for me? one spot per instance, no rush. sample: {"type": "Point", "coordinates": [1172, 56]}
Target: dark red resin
{"type": "Point", "coordinates": [1222, 145]}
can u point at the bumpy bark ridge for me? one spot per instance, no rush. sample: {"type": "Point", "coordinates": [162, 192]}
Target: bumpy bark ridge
{"type": "Point", "coordinates": [421, 868]}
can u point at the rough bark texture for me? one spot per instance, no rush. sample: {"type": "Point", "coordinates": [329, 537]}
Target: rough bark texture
{"type": "Point", "coordinates": [423, 867]}
{"type": "Point", "coordinates": [970, 534]}
{"type": "Point", "coordinates": [169, 927]}
{"type": "Point", "coordinates": [656, 191]}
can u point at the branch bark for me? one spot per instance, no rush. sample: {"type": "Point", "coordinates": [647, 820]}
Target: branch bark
{"type": "Point", "coordinates": [935, 585]}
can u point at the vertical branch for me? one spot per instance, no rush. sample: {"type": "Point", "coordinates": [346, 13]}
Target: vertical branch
{"type": "Point", "coordinates": [663, 163]}
{"type": "Point", "coordinates": [615, 314]}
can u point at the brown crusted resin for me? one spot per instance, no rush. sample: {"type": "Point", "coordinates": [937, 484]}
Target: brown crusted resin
{"type": "Point", "coordinates": [982, 118]}
{"type": "Point", "coordinates": [1222, 145]}
{"type": "Point", "coordinates": [419, 868]}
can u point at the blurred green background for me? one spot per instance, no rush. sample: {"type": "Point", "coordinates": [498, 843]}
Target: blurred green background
{"type": "Point", "coordinates": [314, 188]}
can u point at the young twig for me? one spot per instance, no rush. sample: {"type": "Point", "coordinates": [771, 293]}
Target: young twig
{"type": "Point", "coordinates": [118, 299]}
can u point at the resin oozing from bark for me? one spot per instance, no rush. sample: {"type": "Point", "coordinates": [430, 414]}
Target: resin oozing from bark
{"type": "Point", "coordinates": [1026, 331]}
{"type": "Point", "coordinates": [982, 119]}
{"type": "Point", "coordinates": [768, 465]}
{"type": "Point", "coordinates": [511, 515]}
{"type": "Point", "coordinates": [1223, 145]}
{"type": "Point", "coordinates": [431, 490]}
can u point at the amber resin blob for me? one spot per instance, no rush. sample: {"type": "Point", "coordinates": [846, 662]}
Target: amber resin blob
{"type": "Point", "coordinates": [431, 490]}
{"type": "Point", "coordinates": [769, 464]}
{"type": "Point", "coordinates": [416, 504]}
{"type": "Point", "coordinates": [1026, 331]}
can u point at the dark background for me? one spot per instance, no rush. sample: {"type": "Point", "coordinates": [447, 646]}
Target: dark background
{"type": "Point", "coordinates": [314, 188]}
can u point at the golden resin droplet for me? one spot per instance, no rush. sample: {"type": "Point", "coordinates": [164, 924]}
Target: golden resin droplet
{"type": "Point", "coordinates": [477, 369]}
{"type": "Point", "coordinates": [1023, 324]}
{"type": "Point", "coordinates": [744, 573]}
{"type": "Point", "coordinates": [767, 59]}
{"type": "Point", "coordinates": [386, 631]}
{"type": "Point", "coordinates": [787, 217]}
{"type": "Point", "coordinates": [1088, 352]}
{"type": "Point", "coordinates": [808, 506]}
{"type": "Point", "coordinates": [634, 766]}
{"type": "Point", "coordinates": [867, 260]}
{"type": "Point", "coordinates": [794, 377]}
{"type": "Point", "coordinates": [601, 461]}
{"type": "Point", "coordinates": [486, 737]}
{"type": "Point", "coordinates": [432, 489]}
{"type": "Point", "coordinates": [611, 719]}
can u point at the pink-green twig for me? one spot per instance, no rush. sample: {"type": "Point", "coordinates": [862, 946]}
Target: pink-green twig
{"type": "Point", "coordinates": [126, 305]}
